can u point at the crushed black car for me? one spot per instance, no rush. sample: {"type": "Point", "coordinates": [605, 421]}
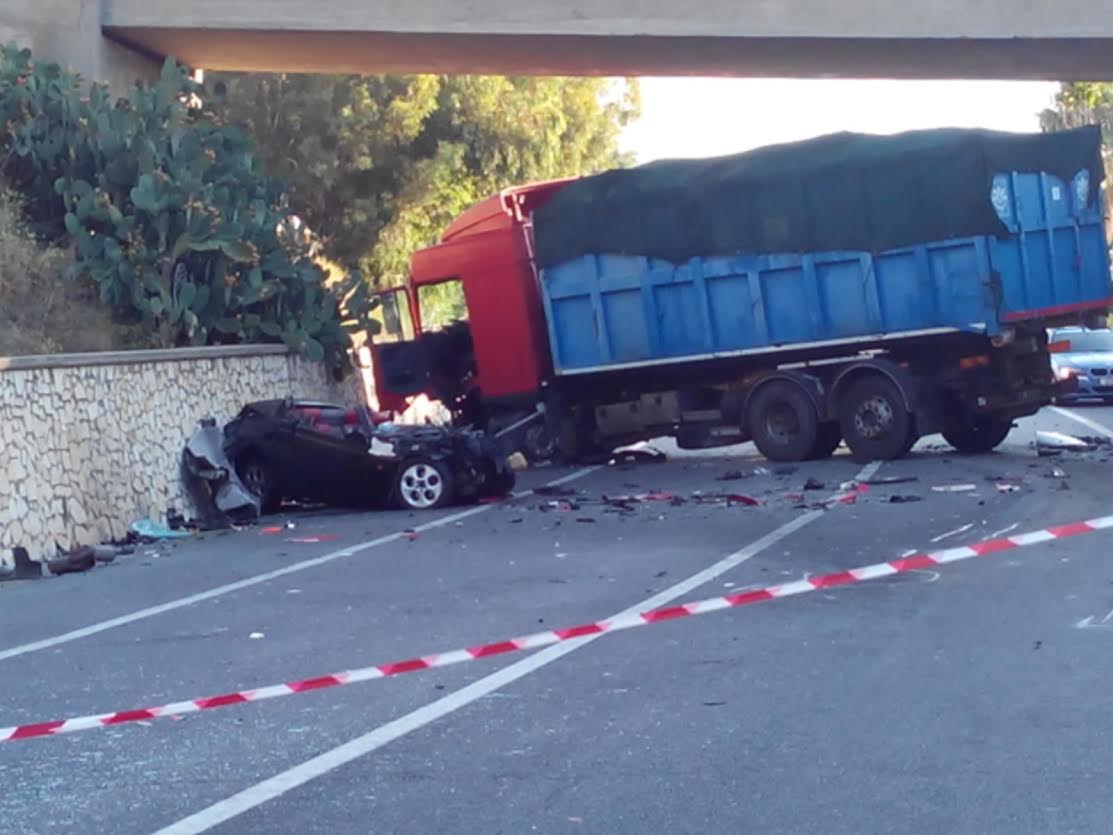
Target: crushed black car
{"type": "Point", "coordinates": [322, 452]}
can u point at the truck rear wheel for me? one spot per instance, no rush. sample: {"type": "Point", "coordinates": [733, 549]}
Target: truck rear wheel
{"type": "Point", "coordinates": [977, 434]}
{"type": "Point", "coordinates": [783, 422]}
{"type": "Point", "coordinates": [874, 419]}
{"type": "Point", "coordinates": [827, 441]}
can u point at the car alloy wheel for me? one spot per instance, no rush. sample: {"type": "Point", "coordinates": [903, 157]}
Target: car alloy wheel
{"type": "Point", "coordinates": [422, 485]}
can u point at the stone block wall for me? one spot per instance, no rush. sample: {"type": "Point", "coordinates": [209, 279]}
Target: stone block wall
{"type": "Point", "coordinates": [91, 443]}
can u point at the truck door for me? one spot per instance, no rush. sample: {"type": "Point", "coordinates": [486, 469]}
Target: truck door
{"type": "Point", "coordinates": [398, 357]}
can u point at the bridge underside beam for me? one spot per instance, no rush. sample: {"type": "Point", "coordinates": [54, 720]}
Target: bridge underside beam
{"type": "Point", "coordinates": [1057, 59]}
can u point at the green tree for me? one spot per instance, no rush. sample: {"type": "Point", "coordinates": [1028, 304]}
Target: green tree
{"type": "Point", "coordinates": [377, 166]}
{"type": "Point", "coordinates": [1083, 103]}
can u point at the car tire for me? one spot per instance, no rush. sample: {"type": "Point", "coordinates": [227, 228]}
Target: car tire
{"type": "Point", "coordinates": [875, 422]}
{"type": "Point", "coordinates": [978, 434]}
{"type": "Point", "coordinates": [258, 477]}
{"type": "Point", "coordinates": [423, 484]}
{"type": "Point", "coordinates": [783, 422]}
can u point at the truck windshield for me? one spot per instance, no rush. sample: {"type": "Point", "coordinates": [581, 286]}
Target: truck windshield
{"type": "Point", "coordinates": [442, 305]}
{"type": "Point", "coordinates": [1086, 341]}
{"type": "Point", "coordinates": [394, 318]}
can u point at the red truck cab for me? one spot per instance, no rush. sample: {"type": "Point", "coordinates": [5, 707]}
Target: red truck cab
{"type": "Point", "coordinates": [468, 327]}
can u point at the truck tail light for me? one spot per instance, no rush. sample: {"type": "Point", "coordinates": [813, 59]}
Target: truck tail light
{"type": "Point", "coordinates": [1060, 347]}
{"type": "Point", "coordinates": [969, 363]}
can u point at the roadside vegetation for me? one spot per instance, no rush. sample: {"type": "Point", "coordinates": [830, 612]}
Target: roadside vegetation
{"type": "Point", "coordinates": [186, 214]}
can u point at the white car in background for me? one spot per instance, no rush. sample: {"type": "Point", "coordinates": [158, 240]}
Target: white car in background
{"type": "Point", "coordinates": [1087, 357]}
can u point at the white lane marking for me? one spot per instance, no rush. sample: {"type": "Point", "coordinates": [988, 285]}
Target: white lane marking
{"type": "Point", "coordinates": [1092, 622]}
{"type": "Point", "coordinates": [1085, 421]}
{"type": "Point", "coordinates": [278, 785]}
{"type": "Point", "coordinates": [259, 579]}
{"type": "Point", "coordinates": [1002, 532]}
{"type": "Point", "coordinates": [955, 532]}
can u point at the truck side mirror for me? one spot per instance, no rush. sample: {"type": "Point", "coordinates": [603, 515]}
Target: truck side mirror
{"type": "Point", "coordinates": [391, 320]}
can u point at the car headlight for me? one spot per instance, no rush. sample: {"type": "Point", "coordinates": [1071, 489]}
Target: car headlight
{"type": "Point", "coordinates": [1065, 372]}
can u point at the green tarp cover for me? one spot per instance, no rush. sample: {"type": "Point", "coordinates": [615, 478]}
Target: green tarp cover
{"type": "Point", "coordinates": [845, 192]}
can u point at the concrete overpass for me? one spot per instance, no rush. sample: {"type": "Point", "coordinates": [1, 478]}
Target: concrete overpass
{"type": "Point", "coordinates": [1016, 39]}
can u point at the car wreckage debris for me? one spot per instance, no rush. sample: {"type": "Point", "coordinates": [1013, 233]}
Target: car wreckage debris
{"type": "Point", "coordinates": [1054, 443]}
{"type": "Point", "coordinates": [292, 449]}
{"type": "Point", "coordinates": [212, 481]}
{"type": "Point", "coordinates": [77, 562]}
{"type": "Point", "coordinates": [152, 531]}
{"type": "Point", "coordinates": [23, 567]}
{"type": "Point", "coordinates": [884, 481]}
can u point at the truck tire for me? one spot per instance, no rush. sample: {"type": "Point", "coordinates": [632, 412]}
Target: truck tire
{"type": "Point", "coordinates": [874, 419]}
{"type": "Point", "coordinates": [827, 441]}
{"type": "Point", "coordinates": [977, 434]}
{"type": "Point", "coordinates": [783, 422]}
{"type": "Point", "coordinates": [539, 443]}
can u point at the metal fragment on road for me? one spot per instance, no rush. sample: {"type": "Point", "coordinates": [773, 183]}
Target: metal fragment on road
{"type": "Point", "coordinates": [1060, 442]}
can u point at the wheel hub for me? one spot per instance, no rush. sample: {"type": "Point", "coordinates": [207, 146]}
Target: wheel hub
{"type": "Point", "coordinates": [254, 479]}
{"type": "Point", "coordinates": [540, 443]}
{"type": "Point", "coordinates": [782, 424]}
{"type": "Point", "coordinates": [421, 486]}
{"type": "Point", "coordinates": [874, 417]}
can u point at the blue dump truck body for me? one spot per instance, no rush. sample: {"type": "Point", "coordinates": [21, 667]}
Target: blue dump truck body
{"type": "Point", "coordinates": [610, 312]}
{"type": "Point", "coordinates": [861, 289]}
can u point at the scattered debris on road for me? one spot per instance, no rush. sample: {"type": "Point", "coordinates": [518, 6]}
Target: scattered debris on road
{"type": "Point", "coordinates": [77, 562]}
{"type": "Point", "coordinates": [23, 567]}
{"type": "Point", "coordinates": [1054, 443]}
{"type": "Point", "coordinates": [884, 481]}
{"type": "Point", "coordinates": [955, 488]}
{"type": "Point", "coordinates": [149, 529]}
{"type": "Point", "coordinates": [738, 498]}
{"type": "Point", "coordinates": [905, 499]}
{"type": "Point", "coordinates": [105, 554]}
{"type": "Point", "coordinates": [638, 454]}
{"type": "Point", "coordinates": [560, 492]}
{"type": "Point", "coordinates": [1006, 487]}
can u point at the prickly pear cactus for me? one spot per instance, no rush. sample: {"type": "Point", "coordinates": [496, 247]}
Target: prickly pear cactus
{"type": "Point", "coordinates": [169, 212]}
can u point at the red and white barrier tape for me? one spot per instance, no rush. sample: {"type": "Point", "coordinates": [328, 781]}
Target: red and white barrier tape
{"type": "Point", "coordinates": [556, 636]}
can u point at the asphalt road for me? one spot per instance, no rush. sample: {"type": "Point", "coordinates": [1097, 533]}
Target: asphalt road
{"type": "Point", "coordinates": [963, 700]}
